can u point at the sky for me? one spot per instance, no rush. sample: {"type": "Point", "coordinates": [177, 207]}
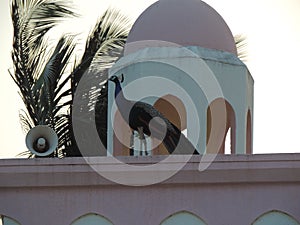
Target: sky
{"type": "Point", "coordinates": [273, 36]}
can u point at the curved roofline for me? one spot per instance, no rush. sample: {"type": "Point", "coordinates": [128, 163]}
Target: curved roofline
{"type": "Point", "coordinates": [166, 22]}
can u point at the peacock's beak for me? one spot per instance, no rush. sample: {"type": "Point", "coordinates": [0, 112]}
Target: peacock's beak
{"type": "Point", "coordinates": [120, 78]}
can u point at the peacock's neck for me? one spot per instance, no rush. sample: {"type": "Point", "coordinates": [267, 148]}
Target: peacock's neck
{"type": "Point", "coordinates": [118, 89]}
{"type": "Point", "coordinates": [123, 104]}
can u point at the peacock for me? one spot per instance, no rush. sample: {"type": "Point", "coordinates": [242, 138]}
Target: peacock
{"type": "Point", "coordinates": [146, 120]}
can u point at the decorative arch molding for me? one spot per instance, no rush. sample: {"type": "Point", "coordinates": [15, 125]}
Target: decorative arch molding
{"type": "Point", "coordinates": [91, 219]}
{"type": "Point", "coordinates": [5, 220]}
{"type": "Point", "coordinates": [275, 217]}
{"type": "Point", "coordinates": [183, 217]}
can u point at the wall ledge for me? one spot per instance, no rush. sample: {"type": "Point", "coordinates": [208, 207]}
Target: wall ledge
{"type": "Point", "coordinates": [225, 169]}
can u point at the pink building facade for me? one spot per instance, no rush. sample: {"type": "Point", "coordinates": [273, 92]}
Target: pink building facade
{"type": "Point", "coordinates": [207, 189]}
{"type": "Point", "coordinates": [234, 189]}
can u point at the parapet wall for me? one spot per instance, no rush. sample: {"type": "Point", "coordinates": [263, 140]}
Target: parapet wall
{"type": "Point", "coordinates": [234, 189]}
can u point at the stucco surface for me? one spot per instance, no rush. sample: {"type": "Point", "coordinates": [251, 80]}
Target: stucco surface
{"type": "Point", "coordinates": [234, 190]}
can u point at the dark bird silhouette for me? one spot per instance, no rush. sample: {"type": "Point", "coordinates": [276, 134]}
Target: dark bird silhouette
{"type": "Point", "coordinates": [145, 119]}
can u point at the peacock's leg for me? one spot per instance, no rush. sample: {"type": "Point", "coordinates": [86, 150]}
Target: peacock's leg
{"type": "Point", "coordinates": [142, 141]}
{"type": "Point", "coordinates": [131, 150]}
{"type": "Point", "coordinates": [141, 150]}
{"type": "Point", "coordinates": [145, 144]}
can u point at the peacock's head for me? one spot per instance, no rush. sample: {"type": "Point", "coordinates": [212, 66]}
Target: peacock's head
{"type": "Point", "coordinates": [117, 79]}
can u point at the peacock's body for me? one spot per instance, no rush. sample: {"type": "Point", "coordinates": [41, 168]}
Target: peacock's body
{"type": "Point", "coordinates": [145, 119]}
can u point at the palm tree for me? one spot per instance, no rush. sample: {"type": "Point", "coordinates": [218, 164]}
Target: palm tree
{"type": "Point", "coordinates": [45, 85]}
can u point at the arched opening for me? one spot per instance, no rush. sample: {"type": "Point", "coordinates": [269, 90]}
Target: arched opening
{"type": "Point", "coordinates": [227, 147]}
{"type": "Point", "coordinates": [91, 219]}
{"type": "Point", "coordinates": [4, 220]}
{"type": "Point", "coordinates": [249, 147]}
{"type": "Point", "coordinates": [218, 126]}
{"type": "Point", "coordinates": [183, 217]}
{"type": "Point", "coordinates": [121, 136]}
{"type": "Point", "coordinates": [275, 217]}
{"type": "Point", "coordinates": [174, 110]}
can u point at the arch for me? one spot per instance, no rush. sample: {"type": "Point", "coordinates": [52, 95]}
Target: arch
{"type": "Point", "coordinates": [183, 217]}
{"type": "Point", "coordinates": [5, 220]}
{"type": "Point", "coordinates": [121, 136]}
{"type": "Point", "coordinates": [219, 134]}
{"type": "Point", "coordinates": [174, 110]}
{"type": "Point", "coordinates": [275, 217]}
{"type": "Point", "coordinates": [91, 219]}
{"type": "Point", "coordinates": [249, 146]}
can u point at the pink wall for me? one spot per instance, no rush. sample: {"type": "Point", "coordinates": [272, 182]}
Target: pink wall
{"type": "Point", "coordinates": [235, 190]}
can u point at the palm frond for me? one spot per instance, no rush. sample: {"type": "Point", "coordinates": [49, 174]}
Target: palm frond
{"type": "Point", "coordinates": [40, 73]}
{"type": "Point", "coordinates": [37, 71]}
{"type": "Point", "coordinates": [45, 86]}
{"type": "Point", "coordinates": [27, 153]}
{"type": "Point", "coordinates": [25, 121]}
{"type": "Point", "coordinates": [101, 114]}
{"type": "Point", "coordinates": [103, 47]}
{"type": "Point", "coordinates": [32, 19]}
{"type": "Point", "coordinates": [241, 45]}
{"type": "Point", "coordinates": [114, 32]}
{"type": "Point", "coordinates": [110, 32]}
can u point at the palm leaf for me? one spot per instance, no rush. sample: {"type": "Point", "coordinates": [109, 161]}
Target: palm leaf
{"type": "Point", "coordinates": [40, 73]}
{"type": "Point", "coordinates": [241, 45]}
{"type": "Point", "coordinates": [110, 32]}
{"type": "Point", "coordinates": [105, 44]}
{"type": "Point", "coordinates": [45, 86]}
{"type": "Point", "coordinates": [32, 19]}
{"type": "Point", "coordinates": [25, 153]}
{"type": "Point", "coordinates": [103, 47]}
{"type": "Point", "coordinates": [36, 74]}
{"type": "Point", "coordinates": [25, 121]}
